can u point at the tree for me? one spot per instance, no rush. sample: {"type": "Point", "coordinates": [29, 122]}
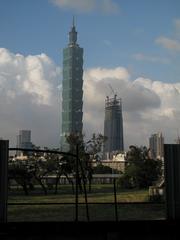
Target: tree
{"type": "Point", "coordinates": [101, 169]}
{"type": "Point", "coordinates": [39, 171]}
{"type": "Point", "coordinates": [140, 170]}
{"type": "Point", "coordinates": [21, 172]}
{"type": "Point", "coordinates": [94, 152]}
{"type": "Point", "coordinates": [40, 165]}
{"type": "Point", "coordinates": [88, 151]}
{"type": "Point", "coordinates": [94, 146]}
{"type": "Point", "coordinates": [56, 166]}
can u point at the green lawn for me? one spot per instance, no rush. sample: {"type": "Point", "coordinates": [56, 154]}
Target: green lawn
{"type": "Point", "coordinates": [97, 212]}
{"type": "Point", "coordinates": [99, 193]}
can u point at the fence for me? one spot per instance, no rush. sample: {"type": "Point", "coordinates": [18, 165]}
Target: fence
{"type": "Point", "coordinates": [4, 173]}
{"type": "Point", "coordinates": [4, 179]}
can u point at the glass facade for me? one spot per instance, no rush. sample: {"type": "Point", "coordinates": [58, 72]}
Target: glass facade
{"type": "Point", "coordinates": [23, 141]}
{"type": "Point", "coordinates": [72, 86]}
{"type": "Point", "coordinates": [113, 127]}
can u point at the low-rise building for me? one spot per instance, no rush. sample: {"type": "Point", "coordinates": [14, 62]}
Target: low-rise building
{"type": "Point", "coordinates": [117, 162]}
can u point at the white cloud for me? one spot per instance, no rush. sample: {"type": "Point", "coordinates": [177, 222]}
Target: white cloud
{"type": "Point", "coordinates": [97, 73]}
{"type": "Point", "coordinates": [171, 43]}
{"type": "Point", "coordinates": [148, 106]}
{"type": "Point", "coordinates": [168, 43]}
{"type": "Point", "coordinates": [28, 96]}
{"type": "Point", "coordinates": [154, 59]}
{"type": "Point", "coordinates": [105, 6]}
{"type": "Point", "coordinates": [29, 99]}
{"type": "Point", "coordinates": [32, 75]}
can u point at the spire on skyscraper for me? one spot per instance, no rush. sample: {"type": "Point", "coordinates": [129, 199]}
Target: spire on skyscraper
{"type": "Point", "coordinates": [73, 34]}
{"type": "Point", "coordinates": [73, 22]}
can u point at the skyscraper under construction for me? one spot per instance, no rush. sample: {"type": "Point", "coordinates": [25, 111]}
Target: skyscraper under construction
{"type": "Point", "coordinates": [72, 92]}
{"type": "Point", "coordinates": [113, 127]}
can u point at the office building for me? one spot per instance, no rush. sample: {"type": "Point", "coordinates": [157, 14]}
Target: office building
{"type": "Point", "coordinates": [156, 145]}
{"type": "Point", "coordinates": [72, 89]}
{"type": "Point", "coordinates": [113, 127]}
{"type": "Point", "coordinates": [24, 141]}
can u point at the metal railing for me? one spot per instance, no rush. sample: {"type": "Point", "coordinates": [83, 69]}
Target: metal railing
{"type": "Point", "coordinates": [76, 156]}
{"type": "Point", "coordinates": [76, 203]}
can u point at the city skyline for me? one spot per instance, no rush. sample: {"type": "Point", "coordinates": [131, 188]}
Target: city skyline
{"type": "Point", "coordinates": [135, 47]}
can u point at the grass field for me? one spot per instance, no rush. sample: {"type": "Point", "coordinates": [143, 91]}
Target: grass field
{"type": "Point", "coordinates": [98, 212]}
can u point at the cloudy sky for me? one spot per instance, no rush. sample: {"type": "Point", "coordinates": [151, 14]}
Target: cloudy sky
{"type": "Point", "coordinates": [132, 45]}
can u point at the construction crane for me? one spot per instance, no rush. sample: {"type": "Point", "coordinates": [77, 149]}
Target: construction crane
{"type": "Point", "coordinates": [112, 90]}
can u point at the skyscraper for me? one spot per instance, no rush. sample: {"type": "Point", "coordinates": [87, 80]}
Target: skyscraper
{"type": "Point", "coordinates": [72, 92]}
{"type": "Point", "coordinates": [156, 145]}
{"type": "Point", "coordinates": [113, 127]}
{"type": "Point", "coordinates": [24, 140]}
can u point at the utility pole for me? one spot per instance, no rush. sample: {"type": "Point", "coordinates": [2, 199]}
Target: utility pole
{"type": "Point", "coordinates": [172, 180]}
{"type": "Point", "coordinates": [4, 155]}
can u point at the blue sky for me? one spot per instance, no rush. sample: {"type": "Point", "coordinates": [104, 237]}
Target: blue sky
{"type": "Point", "coordinates": [132, 44]}
{"type": "Point", "coordinates": [109, 39]}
